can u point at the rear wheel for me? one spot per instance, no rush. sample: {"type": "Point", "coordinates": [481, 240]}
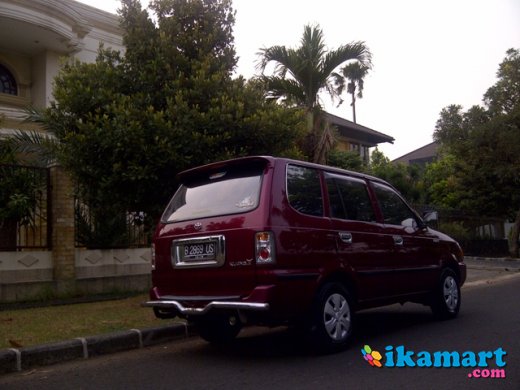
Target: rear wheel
{"type": "Point", "coordinates": [219, 328]}
{"type": "Point", "coordinates": [446, 297]}
{"type": "Point", "coordinates": [332, 318]}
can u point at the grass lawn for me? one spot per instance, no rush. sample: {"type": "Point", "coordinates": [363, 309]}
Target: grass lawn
{"type": "Point", "coordinates": [22, 328]}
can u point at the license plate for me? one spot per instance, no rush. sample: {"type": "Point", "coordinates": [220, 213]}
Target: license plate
{"type": "Point", "coordinates": [207, 251]}
{"type": "Point", "coordinates": [199, 251]}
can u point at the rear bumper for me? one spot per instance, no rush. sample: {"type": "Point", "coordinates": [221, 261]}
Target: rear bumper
{"type": "Point", "coordinates": [258, 301]}
{"type": "Point", "coordinates": [185, 311]}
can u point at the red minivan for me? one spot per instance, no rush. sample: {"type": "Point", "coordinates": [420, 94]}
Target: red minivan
{"type": "Point", "coordinates": [270, 241]}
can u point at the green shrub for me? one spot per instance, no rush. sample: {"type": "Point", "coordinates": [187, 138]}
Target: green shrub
{"type": "Point", "coordinates": [455, 230]}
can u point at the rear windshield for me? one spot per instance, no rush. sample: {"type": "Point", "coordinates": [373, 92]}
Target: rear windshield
{"type": "Point", "coordinates": [231, 190]}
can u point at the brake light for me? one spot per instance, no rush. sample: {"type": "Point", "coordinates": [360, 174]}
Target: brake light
{"type": "Point", "coordinates": [265, 250]}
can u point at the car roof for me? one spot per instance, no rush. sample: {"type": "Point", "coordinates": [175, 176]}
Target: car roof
{"type": "Point", "coordinates": [273, 161]}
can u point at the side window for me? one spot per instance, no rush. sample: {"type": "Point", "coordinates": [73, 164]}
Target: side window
{"type": "Point", "coordinates": [304, 190]}
{"type": "Point", "coordinates": [7, 82]}
{"type": "Point", "coordinates": [395, 211]}
{"type": "Point", "coordinates": [349, 199]}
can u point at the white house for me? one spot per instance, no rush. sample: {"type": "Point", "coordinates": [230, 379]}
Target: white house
{"type": "Point", "coordinates": [35, 36]}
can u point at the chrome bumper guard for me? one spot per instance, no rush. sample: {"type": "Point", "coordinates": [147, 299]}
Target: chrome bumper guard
{"type": "Point", "coordinates": [170, 304]}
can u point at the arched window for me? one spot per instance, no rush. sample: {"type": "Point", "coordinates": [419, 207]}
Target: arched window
{"type": "Point", "coordinates": [7, 82]}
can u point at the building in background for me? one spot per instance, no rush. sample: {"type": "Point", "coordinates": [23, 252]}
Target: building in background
{"type": "Point", "coordinates": [422, 156]}
{"type": "Point", "coordinates": [354, 137]}
{"type": "Point", "coordinates": [41, 258]}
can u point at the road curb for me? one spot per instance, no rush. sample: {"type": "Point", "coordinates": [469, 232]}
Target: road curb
{"type": "Point", "coordinates": [14, 359]}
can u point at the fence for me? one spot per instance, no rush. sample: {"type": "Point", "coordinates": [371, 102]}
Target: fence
{"type": "Point", "coordinates": [25, 221]}
{"type": "Point", "coordinates": [26, 216]}
{"type": "Point", "coordinates": [96, 229]}
{"type": "Point", "coordinates": [478, 235]}
{"type": "Point", "coordinates": [40, 256]}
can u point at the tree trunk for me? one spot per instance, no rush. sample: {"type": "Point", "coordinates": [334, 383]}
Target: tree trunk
{"type": "Point", "coordinates": [514, 237]}
{"type": "Point", "coordinates": [353, 104]}
{"type": "Point", "coordinates": [325, 144]}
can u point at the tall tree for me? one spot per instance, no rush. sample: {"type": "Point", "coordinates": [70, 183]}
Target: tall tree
{"type": "Point", "coordinates": [128, 123]}
{"type": "Point", "coordinates": [406, 178]}
{"type": "Point", "coordinates": [355, 74]}
{"type": "Point", "coordinates": [300, 75]}
{"type": "Point", "coordinates": [454, 126]}
{"type": "Point", "coordinates": [484, 147]}
{"type": "Point", "coordinates": [504, 96]}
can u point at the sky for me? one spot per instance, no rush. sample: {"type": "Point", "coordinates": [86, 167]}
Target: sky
{"type": "Point", "coordinates": [426, 54]}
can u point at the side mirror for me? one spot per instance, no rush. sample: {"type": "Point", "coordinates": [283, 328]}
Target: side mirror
{"type": "Point", "coordinates": [409, 222]}
{"type": "Point", "coordinates": [431, 216]}
{"type": "Point", "coordinates": [431, 219]}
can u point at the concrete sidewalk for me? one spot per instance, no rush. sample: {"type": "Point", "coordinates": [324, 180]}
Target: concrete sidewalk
{"type": "Point", "coordinates": [480, 271]}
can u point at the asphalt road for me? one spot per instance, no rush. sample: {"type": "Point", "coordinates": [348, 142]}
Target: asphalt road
{"type": "Point", "coordinates": [275, 359]}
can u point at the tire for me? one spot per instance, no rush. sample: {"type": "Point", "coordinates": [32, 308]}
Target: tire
{"type": "Point", "coordinates": [332, 319]}
{"type": "Point", "coordinates": [218, 329]}
{"type": "Point", "coordinates": [446, 297]}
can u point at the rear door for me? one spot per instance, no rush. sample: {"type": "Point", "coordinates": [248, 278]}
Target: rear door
{"type": "Point", "coordinates": [305, 231]}
{"type": "Point", "coordinates": [305, 248]}
{"type": "Point", "coordinates": [362, 244]}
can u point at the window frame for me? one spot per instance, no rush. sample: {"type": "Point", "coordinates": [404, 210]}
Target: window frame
{"type": "Point", "coordinates": [204, 177]}
{"type": "Point", "coordinates": [320, 184]}
{"type": "Point", "coordinates": [335, 177]}
{"type": "Point", "coordinates": [9, 76]}
{"type": "Point", "coordinates": [390, 189]}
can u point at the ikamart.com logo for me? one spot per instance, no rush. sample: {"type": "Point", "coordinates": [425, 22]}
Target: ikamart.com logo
{"type": "Point", "coordinates": [479, 361]}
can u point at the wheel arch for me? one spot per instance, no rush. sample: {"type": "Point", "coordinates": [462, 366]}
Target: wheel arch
{"type": "Point", "coordinates": [342, 278]}
{"type": "Point", "coordinates": [452, 264]}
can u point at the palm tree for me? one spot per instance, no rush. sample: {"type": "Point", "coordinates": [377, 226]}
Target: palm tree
{"type": "Point", "coordinates": [355, 72]}
{"type": "Point", "coordinates": [36, 147]}
{"type": "Point", "coordinates": [301, 74]}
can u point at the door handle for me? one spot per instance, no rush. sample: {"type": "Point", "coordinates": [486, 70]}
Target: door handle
{"type": "Point", "coordinates": [345, 237]}
{"type": "Point", "coordinates": [398, 240]}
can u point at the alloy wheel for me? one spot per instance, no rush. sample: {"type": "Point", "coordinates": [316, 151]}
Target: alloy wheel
{"type": "Point", "coordinates": [337, 317]}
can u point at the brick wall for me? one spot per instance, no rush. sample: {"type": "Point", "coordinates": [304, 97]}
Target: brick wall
{"type": "Point", "coordinates": [63, 250]}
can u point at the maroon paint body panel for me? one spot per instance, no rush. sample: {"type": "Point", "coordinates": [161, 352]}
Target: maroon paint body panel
{"type": "Point", "coordinates": [261, 235]}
